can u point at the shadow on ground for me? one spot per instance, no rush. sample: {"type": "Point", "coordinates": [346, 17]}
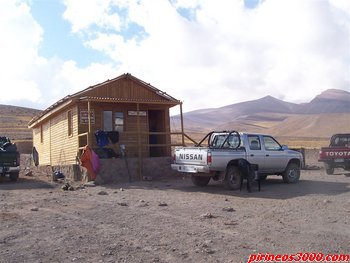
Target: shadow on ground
{"type": "Point", "coordinates": [271, 188]}
{"type": "Point", "coordinates": [24, 183]}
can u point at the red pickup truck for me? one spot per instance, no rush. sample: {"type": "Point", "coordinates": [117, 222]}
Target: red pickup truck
{"type": "Point", "coordinates": [337, 155]}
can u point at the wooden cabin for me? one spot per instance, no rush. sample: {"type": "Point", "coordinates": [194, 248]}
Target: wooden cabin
{"type": "Point", "coordinates": [136, 110]}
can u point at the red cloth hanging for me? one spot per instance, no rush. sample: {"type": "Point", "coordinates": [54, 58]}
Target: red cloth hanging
{"type": "Point", "coordinates": [86, 161]}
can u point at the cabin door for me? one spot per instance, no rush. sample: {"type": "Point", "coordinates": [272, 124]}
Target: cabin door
{"type": "Point", "coordinates": [156, 123]}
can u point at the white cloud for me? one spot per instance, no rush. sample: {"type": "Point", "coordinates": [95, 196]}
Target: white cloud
{"type": "Point", "coordinates": [26, 78]}
{"type": "Point", "coordinates": [206, 53]}
{"type": "Point", "coordinates": [226, 53]}
{"type": "Point", "coordinates": [18, 52]}
{"type": "Point", "coordinates": [84, 14]}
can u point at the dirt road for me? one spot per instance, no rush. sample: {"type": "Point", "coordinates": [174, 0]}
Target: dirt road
{"type": "Point", "coordinates": [172, 220]}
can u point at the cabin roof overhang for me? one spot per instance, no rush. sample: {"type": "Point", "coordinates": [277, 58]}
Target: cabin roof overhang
{"type": "Point", "coordinates": [164, 99]}
{"type": "Point", "coordinates": [133, 101]}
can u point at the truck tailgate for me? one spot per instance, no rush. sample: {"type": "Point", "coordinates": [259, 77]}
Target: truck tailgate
{"type": "Point", "coordinates": [191, 155]}
{"type": "Point", "coordinates": [8, 159]}
{"type": "Point", "coordinates": [327, 153]}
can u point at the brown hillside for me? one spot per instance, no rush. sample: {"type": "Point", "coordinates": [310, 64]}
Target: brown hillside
{"type": "Point", "coordinates": [316, 121]}
{"type": "Point", "coordinates": [14, 122]}
{"type": "Point", "coordinates": [329, 101]}
{"type": "Point", "coordinates": [311, 125]}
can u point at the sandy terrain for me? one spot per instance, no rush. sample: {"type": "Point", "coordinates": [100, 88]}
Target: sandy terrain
{"type": "Point", "coordinates": [172, 221]}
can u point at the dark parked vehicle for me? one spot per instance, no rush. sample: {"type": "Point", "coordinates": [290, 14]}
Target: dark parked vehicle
{"type": "Point", "coordinates": [9, 159]}
{"type": "Point", "coordinates": [337, 155]}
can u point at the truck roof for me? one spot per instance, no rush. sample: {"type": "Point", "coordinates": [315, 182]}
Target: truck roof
{"type": "Point", "coordinates": [242, 133]}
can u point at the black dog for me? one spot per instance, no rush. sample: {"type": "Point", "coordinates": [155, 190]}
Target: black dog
{"type": "Point", "coordinates": [250, 173]}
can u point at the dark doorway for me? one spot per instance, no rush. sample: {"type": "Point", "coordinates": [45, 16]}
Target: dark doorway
{"type": "Point", "coordinates": [156, 123]}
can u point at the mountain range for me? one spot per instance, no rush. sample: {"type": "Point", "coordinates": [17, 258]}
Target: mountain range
{"type": "Point", "coordinates": [326, 114]}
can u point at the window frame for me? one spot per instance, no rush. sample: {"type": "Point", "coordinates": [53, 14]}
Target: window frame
{"type": "Point", "coordinates": [274, 140]}
{"type": "Point", "coordinates": [115, 126]}
{"type": "Point", "coordinates": [41, 134]}
{"type": "Point", "coordinates": [253, 137]}
{"type": "Point", "coordinates": [110, 124]}
{"type": "Point", "coordinates": [70, 123]}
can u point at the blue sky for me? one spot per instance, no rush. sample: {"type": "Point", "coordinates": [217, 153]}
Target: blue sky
{"type": "Point", "coordinates": [203, 52]}
{"type": "Point", "coordinates": [58, 40]}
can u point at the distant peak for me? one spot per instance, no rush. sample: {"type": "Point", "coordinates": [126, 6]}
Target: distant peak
{"type": "Point", "coordinates": [334, 94]}
{"type": "Point", "coordinates": [269, 98]}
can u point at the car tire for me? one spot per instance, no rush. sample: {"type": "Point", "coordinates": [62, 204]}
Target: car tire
{"type": "Point", "coordinates": [291, 174]}
{"type": "Point", "coordinates": [329, 168]}
{"type": "Point", "coordinates": [262, 177]}
{"type": "Point", "coordinates": [14, 176]}
{"type": "Point", "coordinates": [200, 180]}
{"type": "Point", "coordinates": [233, 178]}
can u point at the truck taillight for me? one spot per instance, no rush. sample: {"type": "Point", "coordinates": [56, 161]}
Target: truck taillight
{"type": "Point", "coordinates": [209, 158]}
{"type": "Point", "coordinates": [174, 157]}
{"type": "Point", "coordinates": [18, 158]}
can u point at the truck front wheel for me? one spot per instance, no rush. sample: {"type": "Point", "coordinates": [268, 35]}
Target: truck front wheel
{"type": "Point", "coordinates": [14, 176]}
{"type": "Point", "coordinates": [329, 168]}
{"type": "Point", "coordinates": [291, 174]}
{"type": "Point", "coordinates": [200, 180]}
{"type": "Point", "coordinates": [233, 178]}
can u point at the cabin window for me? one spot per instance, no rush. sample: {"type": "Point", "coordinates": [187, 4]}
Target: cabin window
{"type": "Point", "coordinates": [41, 134]}
{"type": "Point", "coordinates": [107, 121]}
{"type": "Point", "coordinates": [70, 123]}
{"type": "Point", "coordinates": [119, 121]}
{"type": "Point", "coordinates": [117, 124]}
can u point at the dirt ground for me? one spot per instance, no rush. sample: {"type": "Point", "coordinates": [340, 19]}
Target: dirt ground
{"type": "Point", "coordinates": [171, 220]}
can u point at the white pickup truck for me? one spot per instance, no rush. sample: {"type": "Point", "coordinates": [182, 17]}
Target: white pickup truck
{"type": "Point", "coordinates": [218, 154]}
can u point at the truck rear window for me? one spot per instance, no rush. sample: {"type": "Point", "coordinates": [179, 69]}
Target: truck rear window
{"type": "Point", "coordinates": [341, 141]}
{"type": "Point", "coordinates": [232, 141]}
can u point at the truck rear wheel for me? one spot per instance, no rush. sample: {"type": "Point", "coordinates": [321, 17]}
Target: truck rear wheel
{"type": "Point", "coordinates": [233, 178]}
{"type": "Point", "coordinates": [291, 174]}
{"type": "Point", "coordinates": [14, 176]}
{"type": "Point", "coordinates": [200, 180]}
{"type": "Point", "coordinates": [329, 168]}
{"type": "Point", "coordinates": [262, 177]}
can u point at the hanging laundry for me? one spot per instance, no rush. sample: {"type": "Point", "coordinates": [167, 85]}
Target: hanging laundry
{"type": "Point", "coordinates": [86, 160]}
{"type": "Point", "coordinates": [95, 161]}
{"type": "Point", "coordinates": [113, 136]}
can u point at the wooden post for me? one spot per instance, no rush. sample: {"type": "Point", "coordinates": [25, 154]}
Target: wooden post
{"type": "Point", "coordinates": [182, 125]}
{"type": "Point", "coordinates": [89, 124]}
{"type": "Point", "coordinates": [50, 143]}
{"type": "Point", "coordinates": [139, 140]}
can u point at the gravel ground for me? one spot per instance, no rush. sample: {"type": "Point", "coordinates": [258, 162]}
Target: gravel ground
{"type": "Point", "coordinates": [172, 221]}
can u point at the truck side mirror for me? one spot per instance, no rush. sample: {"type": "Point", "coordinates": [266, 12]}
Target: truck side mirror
{"type": "Point", "coordinates": [284, 147]}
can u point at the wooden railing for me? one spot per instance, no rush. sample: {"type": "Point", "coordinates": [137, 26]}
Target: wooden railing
{"type": "Point", "coordinates": [137, 143]}
{"type": "Point", "coordinates": [182, 142]}
{"type": "Point", "coordinates": [82, 135]}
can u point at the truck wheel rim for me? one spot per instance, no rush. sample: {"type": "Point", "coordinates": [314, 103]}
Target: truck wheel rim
{"type": "Point", "coordinates": [292, 174]}
{"type": "Point", "coordinates": [233, 178]}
